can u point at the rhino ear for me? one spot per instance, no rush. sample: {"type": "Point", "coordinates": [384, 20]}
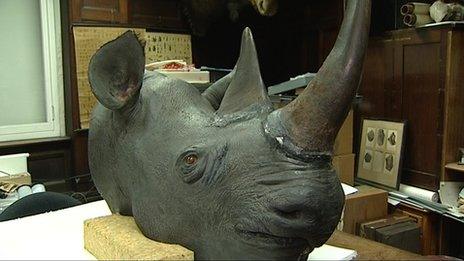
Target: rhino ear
{"type": "Point", "coordinates": [216, 91]}
{"type": "Point", "coordinates": [246, 86]}
{"type": "Point", "coordinates": [116, 71]}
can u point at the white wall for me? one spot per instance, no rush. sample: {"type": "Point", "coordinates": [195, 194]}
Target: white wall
{"type": "Point", "coordinates": [22, 91]}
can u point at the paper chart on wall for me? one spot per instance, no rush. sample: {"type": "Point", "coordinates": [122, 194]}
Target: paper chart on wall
{"type": "Point", "coordinates": [167, 46]}
{"type": "Point", "coordinates": [87, 40]}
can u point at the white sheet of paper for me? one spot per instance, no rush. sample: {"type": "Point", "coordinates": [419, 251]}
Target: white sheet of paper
{"type": "Point", "coordinates": [393, 202]}
{"type": "Point", "coordinates": [348, 189]}
{"type": "Point", "coordinates": [327, 252]}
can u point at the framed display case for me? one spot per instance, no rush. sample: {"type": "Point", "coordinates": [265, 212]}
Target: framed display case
{"type": "Point", "coordinates": [381, 153]}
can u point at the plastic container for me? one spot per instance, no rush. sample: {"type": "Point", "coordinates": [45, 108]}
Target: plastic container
{"type": "Point", "coordinates": [14, 163]}
{"type": "Point", "coordinates": [37, 188]}
{"type": "Point", "coordinates": [24, 191]}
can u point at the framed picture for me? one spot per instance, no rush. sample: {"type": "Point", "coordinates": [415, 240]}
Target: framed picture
{"type": "Point", "coordinates": [381, 153]}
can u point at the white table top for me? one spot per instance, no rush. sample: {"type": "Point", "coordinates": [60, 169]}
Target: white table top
{"type": "Point", "coordinates": [57, 235]}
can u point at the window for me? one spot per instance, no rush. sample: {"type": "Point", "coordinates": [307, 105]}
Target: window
{"type": "Point", "coordinates": [31, 74]}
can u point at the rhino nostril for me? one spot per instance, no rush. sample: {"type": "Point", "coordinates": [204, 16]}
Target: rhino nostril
{"type": "Point", "coordinates": [296, 214]}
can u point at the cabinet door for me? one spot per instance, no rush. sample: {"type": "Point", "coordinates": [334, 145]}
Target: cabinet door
{"type": "Point", "coordinates": [159, 14]}
{"type": "Point", "coordinates": [112, 11]}
{"type": "Point", "coordinates": [375, 85]}
{"type": "Point", "coordinates": [403, 80]}
{"type": "Point", "coordinates": [418, 71]}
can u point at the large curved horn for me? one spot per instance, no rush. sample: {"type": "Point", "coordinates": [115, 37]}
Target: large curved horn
{"type": "Point", "coordinates": [312, 121]}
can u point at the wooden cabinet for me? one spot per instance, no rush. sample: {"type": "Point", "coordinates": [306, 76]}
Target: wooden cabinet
{"type": "Point", "coordinates": [162, 13]}
{"type": "Point", "coordinates": [112, 11]}
{"type": "Point", "coordinates": [142, 13]}
{"type": "Point", "coordinates": [414, 75]}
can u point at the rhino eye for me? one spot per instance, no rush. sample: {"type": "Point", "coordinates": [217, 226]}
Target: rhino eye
{"type": "Point", "coordinates": [191, 165]}
{"type": "Point", "coordinates": [191, 159]}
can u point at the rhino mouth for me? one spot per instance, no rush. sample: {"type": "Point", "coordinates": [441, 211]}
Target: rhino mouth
{"type": "Point", "coordinates": [263, 238]}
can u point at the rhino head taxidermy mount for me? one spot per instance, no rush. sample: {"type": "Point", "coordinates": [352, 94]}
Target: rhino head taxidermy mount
{"type": "Point", "coordinates": [222, 173]}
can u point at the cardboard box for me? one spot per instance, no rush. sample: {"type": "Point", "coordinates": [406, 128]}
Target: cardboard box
{"type": "Point", "coordinates": [344, 165]}
{"type": "Point", "coordinates": [20, 179]}
{"type": "Point", "coordinates": [368, 203]}
{"type": "Point", "coordinates": [344, 141]}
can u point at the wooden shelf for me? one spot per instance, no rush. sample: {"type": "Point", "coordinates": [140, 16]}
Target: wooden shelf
{"type": "Point", "coordinates": [455, 166]}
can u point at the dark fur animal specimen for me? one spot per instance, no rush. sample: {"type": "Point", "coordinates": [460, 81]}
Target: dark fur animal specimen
{"type": "Point", "coordinates": [221, 172]}
{"type": "Point", "coordinates": [202, 13]}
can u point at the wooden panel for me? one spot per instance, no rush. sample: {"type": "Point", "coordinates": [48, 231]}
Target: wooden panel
{"type": "Point", "coordinates": [113, 11]}
{"type": "Point", "coordinates": [53, 168]}
{"type": "Point", "coordinates": [451, 241]}
{"type": "Point", "coordinates": [454, 100]}
{"type": "Point", "coordinates": [419, 179]}
{"type": "Point", "coordinates": [160, 14]}
{"type": "Point", "coordinates": [68, 56]}
{"type": "Point", "coordinates": [377, 78]}
{"type": "Point", "coordinates": [80, 147]}
{"type": "Point", "coordinates": [81, 161]}
{"type": "Point", "coordinates": [420, 107]}
{"type": "Point", "coordinates": [375, 85]}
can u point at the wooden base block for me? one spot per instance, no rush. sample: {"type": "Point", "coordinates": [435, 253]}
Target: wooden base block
{"type": "Point", "coordinates": [118, 237]}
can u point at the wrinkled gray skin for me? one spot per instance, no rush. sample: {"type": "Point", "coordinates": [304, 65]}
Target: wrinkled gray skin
{"type": "Point", "coordinates": [221, 173]}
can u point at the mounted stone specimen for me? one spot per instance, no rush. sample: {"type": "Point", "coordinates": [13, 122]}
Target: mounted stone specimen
{"type": "Point", "coordinates": [221, 173]}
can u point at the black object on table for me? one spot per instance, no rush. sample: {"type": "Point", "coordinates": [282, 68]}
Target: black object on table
{"type": "Point", "coordinates": [38, 203]}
